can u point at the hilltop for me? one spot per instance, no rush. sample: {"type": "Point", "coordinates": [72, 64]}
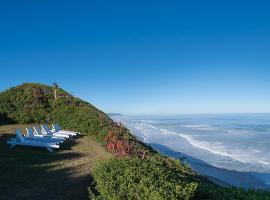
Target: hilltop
{"type": "Point", "coordinates": [136, 170]}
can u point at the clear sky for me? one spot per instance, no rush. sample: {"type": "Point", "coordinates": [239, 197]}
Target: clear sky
{"type": "Point", "coordinates": [142, 57]}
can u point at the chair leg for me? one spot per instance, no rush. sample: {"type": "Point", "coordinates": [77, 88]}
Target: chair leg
{"type": "Point", "coordinates": [49, 149]}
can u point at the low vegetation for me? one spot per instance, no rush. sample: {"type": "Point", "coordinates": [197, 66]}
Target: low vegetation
{"type": "Point", "coordinates": [133, 178]}
{"type": "Point", "coordinates": [136, 171]}
{"type": "Point", "coordinates": [121, 143]}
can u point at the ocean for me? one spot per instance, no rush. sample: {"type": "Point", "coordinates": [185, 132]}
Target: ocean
{"type": "Point", "coordinates": [233, 148]}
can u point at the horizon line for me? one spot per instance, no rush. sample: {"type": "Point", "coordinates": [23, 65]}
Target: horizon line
{"type": "Point", "coordinates": [171, 114]}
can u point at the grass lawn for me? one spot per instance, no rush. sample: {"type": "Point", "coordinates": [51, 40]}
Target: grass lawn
{"type": "Point", "coordinates": [33, 173]}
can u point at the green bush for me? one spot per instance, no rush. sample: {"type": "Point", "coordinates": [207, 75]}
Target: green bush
{"type": "Point", "coordinates": [159, 178]}
{"type": "Point", "coordinates": [132, 178]}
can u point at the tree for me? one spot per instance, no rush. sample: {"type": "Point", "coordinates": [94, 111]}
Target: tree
{"type": "Point", "coordinates": [55, 86]}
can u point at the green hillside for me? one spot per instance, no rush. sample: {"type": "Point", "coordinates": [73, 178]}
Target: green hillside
{"type": "Point", "coordinates": [36, 103]}
{"type": "Point", "coordinates": [135, 172]}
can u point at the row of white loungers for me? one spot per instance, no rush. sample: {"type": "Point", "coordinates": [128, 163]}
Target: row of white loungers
{"type": "Point", "coordinates": [44, 137]}
{"type": "Point", "coordinates": [56, 128]}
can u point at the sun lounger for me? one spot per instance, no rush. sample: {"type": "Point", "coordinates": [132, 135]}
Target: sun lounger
{"type": "Point", "coordinates": [57, 129]}
{"type": "Point", "coordinates": [41, 137]}
{"type": "Point", "coordinates": [23, 141]}
{"type": "Point", "coordinates": [45, 130]}
{"type": "Point", "coordinates": [38, 131]}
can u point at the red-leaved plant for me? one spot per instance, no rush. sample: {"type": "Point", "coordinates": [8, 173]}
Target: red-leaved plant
{"type": "Point", "coordinates": [118, 143]}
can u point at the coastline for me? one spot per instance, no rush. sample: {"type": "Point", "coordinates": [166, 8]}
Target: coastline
{"type": "Point", "coordinates": [219, 176]}
{"type": "Point", "coordinates": [168, 146]}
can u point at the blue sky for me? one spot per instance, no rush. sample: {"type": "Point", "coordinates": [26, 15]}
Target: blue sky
{"type": "Point", "coordinates": [142, 57]}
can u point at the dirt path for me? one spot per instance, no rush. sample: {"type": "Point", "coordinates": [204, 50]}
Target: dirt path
{"type": "Point", "coordinates": [32, 173]}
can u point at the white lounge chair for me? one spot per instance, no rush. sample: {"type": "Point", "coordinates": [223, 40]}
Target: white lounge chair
{"type": "Point", "coordinates": [40, 137]}
{"type": "Point", "coordinates": [57, 129]}
{"type": "Point", "coordinates": [37, 131]}
{"type": "Point", "coordinates": [21, 140]}
{"type": "Point", "coordinates": [45, 130]}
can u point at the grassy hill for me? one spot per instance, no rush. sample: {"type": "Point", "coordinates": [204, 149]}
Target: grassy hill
{"type": "Point", "coordinates": [136, 170]}
{"type": "Point", "coordinates": [29, 102]}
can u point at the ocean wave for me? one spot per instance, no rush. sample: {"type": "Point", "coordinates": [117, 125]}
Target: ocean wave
{"type": "Point", "coordinates": [239, 132]}
{"type": "Point", "coordinates": [195, 126]}
{"type": "Point", "coordinates": [208, 147]}
{"type": "Point", "coordinates": [214, 148]}
{"type": "Point", "coordinates": [144, 129]}
{"type": "Point", "coordinates": [154, 122]}
{"type": "Point", "coordinates": [147, 121]}
{"type": "Point", "coordinates": [149, 125]}
{"type": "Point", "coordinates": [163, 130]}
{"type": "Point", "coordinates": [205, 127]}
{"type": "Point", "coordinates": [263, 162]}
{"type": "Point", "coordinates": [150, 131]}
{"type": "Point", "coordinates": [256, 150]}
{"type": "Point", "coordinates": [167, 131]}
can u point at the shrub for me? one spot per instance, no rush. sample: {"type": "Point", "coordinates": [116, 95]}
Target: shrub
{"type": "Point", "coordinates": [133, 178]}
{"type": "Point", "coordinates": [119, 142]}
{"type": "Point", "coordinates": [159, 178]}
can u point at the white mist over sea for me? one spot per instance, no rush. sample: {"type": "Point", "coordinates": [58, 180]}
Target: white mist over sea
{"type": "Point", "coordinates": [218, 146]}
